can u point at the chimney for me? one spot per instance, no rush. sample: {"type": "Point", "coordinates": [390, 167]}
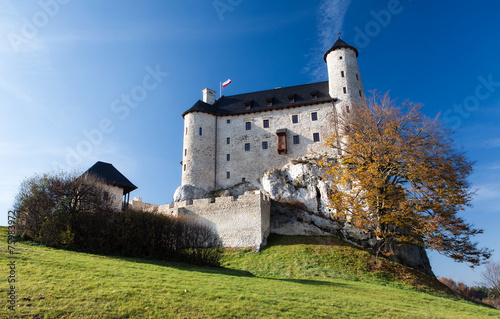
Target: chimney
{"type": "Point", "coordinates": [209, 96]}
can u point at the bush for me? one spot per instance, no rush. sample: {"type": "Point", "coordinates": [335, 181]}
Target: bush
{"type": "Point", "coordinates": [64, 211]}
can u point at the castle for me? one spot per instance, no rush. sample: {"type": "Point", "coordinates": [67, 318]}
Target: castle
{"type": "Point", "coordinates": [230, 144]}
{"type": "Point", "coordinates": [236, 138]}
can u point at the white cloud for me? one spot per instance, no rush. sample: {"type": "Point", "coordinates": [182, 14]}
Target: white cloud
{"type": "Point", "coordinates": [331, 20]}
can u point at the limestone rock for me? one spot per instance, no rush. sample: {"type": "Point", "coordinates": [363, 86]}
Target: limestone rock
{"type": "Point", "coordinates": [189, 192]}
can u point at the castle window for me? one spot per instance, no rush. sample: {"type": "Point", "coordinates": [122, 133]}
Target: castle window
{"type": "Point", "coordinates": [296, 139]}
{"type": "Point", "coordinates": [266, 123]}
{"type": "Point", "coordinates": [248, 126]}
{"type": "Point", "coordinates": [347, 109]}
{"type": "Point", "coordinates": [248, 105]}
{"type": "Point", "coordinates": [314, 116]}
{"type": "Point", "coordinates": [228, 157]}
{"type": "Point", "coordinates": [295, 119]}
{"type": "Point", "coordinates": [186, 131]}
{"type": "Point", "coordinates": [291, 98]}
{"type": "Point", "coordinates": [360, 93]}
{"type": "Point", "coordinates": [228, 175]}
{"type": "Point", "coordinates": [316, 137]}
{"type": "Point", "coordinates": [185, 152]}
{"type": "Point", "coordinates": [314, 95]}
{"type": "Point", "coordinates": [281, 134]}
{"type": "Point", "coordinates": [345, 90]}
{"type": "Point", "coordinates": [270, 102]}
{"type": "Point", "coordinates": [247, 147]}
{"type": "Point", "coordinates": [228, 121]}
{"type": "Point", "coordinates": [343, 75]}
{"type": "Point", "coordinates": [201, 131]}
{"type": "Point", "coordinates": [265, 145]}
{"type": "Point", "coordinates": [340, 57]}
{"type": "Point", "coordinates": [105, 195]}
{"type": "Point", "coordinates": [357, 76]}
{"type": "Point", "coordinates": [228, 140]}
{"type": "Point", "coordinates": [184, 167]}
{"type": "Point", "coordinates": [243, 179]}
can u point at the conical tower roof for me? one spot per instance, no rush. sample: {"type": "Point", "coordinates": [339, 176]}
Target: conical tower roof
{"type": "Point", "coordinates": [341, 44]}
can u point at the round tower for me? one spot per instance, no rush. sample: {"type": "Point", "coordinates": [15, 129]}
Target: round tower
{"type": "Point", "coordinates": [198, 164]}
{"type": "Point", "coordinates": [344, 77]}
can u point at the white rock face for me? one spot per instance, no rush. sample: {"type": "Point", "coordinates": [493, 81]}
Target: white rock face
{"type": "Point", "coordinates": [189, 192]}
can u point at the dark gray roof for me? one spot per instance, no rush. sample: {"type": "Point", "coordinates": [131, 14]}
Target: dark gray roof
{"type": "Point", "coordinates": [257, 101]}
{"type": "Point", "coordinates": [341, 44]}
{"type": "Point", "coordinates": [110, 175]}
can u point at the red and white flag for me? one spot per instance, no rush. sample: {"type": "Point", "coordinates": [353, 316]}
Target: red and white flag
{"type": "Point", "coordinates": [226, 83]}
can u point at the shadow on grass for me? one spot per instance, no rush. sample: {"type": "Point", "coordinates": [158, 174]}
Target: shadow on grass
{"type": "Point", "coordinates": [285, 240]}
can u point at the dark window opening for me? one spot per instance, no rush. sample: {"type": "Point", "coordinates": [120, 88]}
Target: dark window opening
{"type": "Point", "coordinates": [291, 98]}
{"type": "Point", "coordinates": [345, 90]}
{"type": "Point", "coordinates": [266, 123]}
{"type": "Point", "coordinates": [361, 95]}
{"type": "Point", "coordinates": [185, 152]}
{"type": "Point", "coordinates": [348, 109]}
{"type": "Point", "coordinates": [248, 105]}
{"type": "Point", "coordinates": [295, 119]}
{"type": "Point", "coordinates": [248, 126]}
{"type": "Point", "coordinates": [282, 149]}
{"type": "Point", "coordinates": [247, 147]}
{"type": "Point", "coordinates": [316, 137]}
{"type": "Point", "coordinates": [228, 140]}
{"type": "Point", "coordinates": [296, 139]}
{"type": "Point", "coordinates": [105, 195]}
{"type": "Point", "coordinates": [228, 121]}
{"type": "Point", "coordinates": [184, 167]}
{"type": "Point", "coordinates": [314, 116]}
{"type": "Point", "coordinates": [201, 131]}
{"type": "Point", "coordinates": [357, 76]}
{"type": "Point", "coordinates": [243, 179]}
{"type": "Point", "coordinates": [228, 175]}
{"type": "Point", "coordinates": [228, 157]}
{"type": "Point", "coordinates": [343, 75]}
{"type": "Point", "coordinates": [270, 102]}
{"type": "Point", "coordinates": [340, 57]}
{"type": "Point", "coordinates": [265, 146]}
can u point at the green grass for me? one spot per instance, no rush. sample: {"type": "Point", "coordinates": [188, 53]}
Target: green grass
{"type": "Point", "coordinates": [63, 284]}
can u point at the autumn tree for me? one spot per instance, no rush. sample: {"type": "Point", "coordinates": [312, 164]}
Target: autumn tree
{"type": "Point", "coordinates": [399, 175]}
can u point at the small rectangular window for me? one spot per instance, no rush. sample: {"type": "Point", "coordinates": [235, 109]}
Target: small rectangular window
{"type": "Point", "coordinates": [345, 90]}
{"type": "Point", "coordinates": [361, 95]}
{"type": "Point", "coordinates": [343, 75]}
{"type": "Point", "coordinates": [228, 140]}
{"type": "Point", "coordinates": [243, 179]}
{"type": "Point", "coordinates": [184, 167]}
{"type": "Point", "coordinates": [269, 103]}
{"type": "Point", "coordinates": [265, 146]}
{"type": "Point", "coordinates": [228, 121]}
{"type": "Point", "coordinates": [291, 100]}
{"type": "Point", "coordinates": [105, 195]}
{"type": "Point", "coordinates": [228, 157]}
{"type": "Point", "coordinates": [247, 147]}
{"type": "Point", "coordinates": [266, 123]}
{"type": "Point", "coordinates": [228, 175]}
{"type": "Point", "coordinates": [296, 139]}
{"type": "Point", "coordinates": [248, 126]}
{"type": "Point", "coordinates": [186, 131]}
{"type": "Point", "coordinates": [314, 116]}
{"type": "Point", "coordinates": [185, 152]}
{"type": "Point", "coordinates": [347, 109]}
{"type": "Point", "coordinates": [201, 131]}
{"type": "Point", "coordinates": [295, 119]}
{"type": "Point", "coordinates": [357, 76]}
{"type": "Point", "coordinates": [316, 137]}
{"type": "Point", "coordinates": [314, 96]}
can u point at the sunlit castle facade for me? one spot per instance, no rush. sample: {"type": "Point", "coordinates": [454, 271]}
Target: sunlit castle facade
{"type": "Point", "coordinates": [237, 138]}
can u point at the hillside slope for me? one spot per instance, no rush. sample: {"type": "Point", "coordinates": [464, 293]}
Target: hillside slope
{"type": "Point", "coordinates": [54, 283]}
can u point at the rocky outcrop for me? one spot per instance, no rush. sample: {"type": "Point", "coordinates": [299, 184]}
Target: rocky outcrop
{"type": "Point", "coordinates": [189, 192]}
{"type": "Point", "coordinates": [301, 207]}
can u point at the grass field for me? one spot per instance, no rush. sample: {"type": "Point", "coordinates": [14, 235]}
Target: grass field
{"type": "Point", "coordinates": [322, 279]}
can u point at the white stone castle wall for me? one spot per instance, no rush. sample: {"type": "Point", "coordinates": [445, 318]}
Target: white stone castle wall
{"type": "Point", "coordinates": [239, 222]}
{"type": "Point", "coordinates": [251, 165]}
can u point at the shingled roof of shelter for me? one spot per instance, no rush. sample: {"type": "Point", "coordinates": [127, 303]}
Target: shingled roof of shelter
{"type": "Point", "coordinates": [257, 101]}
{"type": "Point", "coordinates": [341, 44]}
{"type": "Point", "coordinates": [110, 175]}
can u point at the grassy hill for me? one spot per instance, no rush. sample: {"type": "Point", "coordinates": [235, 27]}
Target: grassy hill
{"type": "Point", "coordinates": [295, 277]}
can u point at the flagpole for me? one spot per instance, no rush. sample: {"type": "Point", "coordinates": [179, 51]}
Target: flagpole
{"type": "Point", "coordinates": [220, 91]}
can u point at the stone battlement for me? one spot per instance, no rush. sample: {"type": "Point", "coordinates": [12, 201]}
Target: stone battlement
{"type": "Point", "coordinates": [242, 221]}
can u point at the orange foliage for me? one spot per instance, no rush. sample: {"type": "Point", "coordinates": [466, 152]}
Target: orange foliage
{"type": "Point", "coordinates": [399, 175]}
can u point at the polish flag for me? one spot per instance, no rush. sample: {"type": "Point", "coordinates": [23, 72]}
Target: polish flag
{"type": "Point", "coordinates": [226, 83]}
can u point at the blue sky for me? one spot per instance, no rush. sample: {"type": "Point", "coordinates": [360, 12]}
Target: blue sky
{"type": "Point", "coordinates": [82, 81]}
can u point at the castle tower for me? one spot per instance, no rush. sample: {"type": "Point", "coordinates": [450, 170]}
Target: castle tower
{"type": "Point", "coordinates": [344, 77]}
{"type": "Point", "coordinates": [200, 137]}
